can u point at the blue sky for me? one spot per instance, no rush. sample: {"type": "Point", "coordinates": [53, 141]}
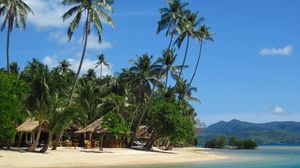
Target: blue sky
{"type": "Point", "coordinates": [250, 72]}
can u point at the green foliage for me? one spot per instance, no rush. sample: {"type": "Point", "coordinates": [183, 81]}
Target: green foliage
{"type": "Point", "coordinates": [245, 144]}
{"type": "Point", "coordinates": [232, 141]}
{"type": "Point", "coordinates": [166, 119]}
{"type": "Point", "coordinates": [210, 143]}
{"type": "Point", "coordinates": [115, 124]}
{"type": "Point", "coordinates": [219, 142]}
{"type": "Point", "coordinates": [12, 90]}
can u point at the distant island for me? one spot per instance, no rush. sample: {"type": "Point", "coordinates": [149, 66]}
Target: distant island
{"type": "Point", "coordinates": [287, 132]}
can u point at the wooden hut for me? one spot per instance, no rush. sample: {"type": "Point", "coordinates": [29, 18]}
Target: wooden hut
{"type": "Point", "coordinates": [108, 140]}
{"type": "Point", "coordinates": [88, 131]}
{"type": "Point", "coordinates": [29, 128]}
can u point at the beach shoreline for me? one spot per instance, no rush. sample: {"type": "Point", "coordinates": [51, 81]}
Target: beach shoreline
{"type": "Point", "coordinates": [70, 157]}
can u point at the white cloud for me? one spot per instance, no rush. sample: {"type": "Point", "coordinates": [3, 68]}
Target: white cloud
{"type": "Point", "coordinates": [52, 61]}
{"type": "Point", "coordinates": [47, 13]}
{"type": "Point", "coordinates": [285, 51]}
{"type": "Point", "coordinates": [278, 110]}
{"type": "Point", "coordinates": [60, 37]}
{"type": "Point", "coordinates": [93, 43]}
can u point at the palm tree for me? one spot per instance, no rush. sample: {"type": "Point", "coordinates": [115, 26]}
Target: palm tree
{"type": "Point", "coordinates": [184, 91]}
{"type": "Point", "coordinates": [14, 68]}
{"type": "Point", "coordinates": [185, 30]}
{"type": "Point", "coordinates": [101, 61]}
{"type": "Point", "coordinates": [90, 74]}
{"type": "Point", "coordinates": [168, 59]}
{"type": "Point", "coordinates": [64, 66]}
{"type": "Point", "coordinates": [202, 34]}
{"type": "Point", "coordinates": [36, 75]}
{"type": "Point", "coordinates": [140, 77]}
{"type": "Point", "coordinates": [170, 16]}
{"type": "Point", "coordinates": [58, 118]}
{"type": "Point", "coordinates": [95, 11]}
{"type": "Point", "coordinates": [16, 12]}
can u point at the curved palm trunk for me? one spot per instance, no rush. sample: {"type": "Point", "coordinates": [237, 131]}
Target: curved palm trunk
{"type": "Point", "coordinates": [37, 139]}
{"type": "Point", "coordinates": [81, 61]}
{"type": "Point", "coordinates": [45, 148]}
{"type": "Point", "coordinates": [56, 141]}
{"type": "Point", "coordinates": [185, 56]}
{"type": "Point", "coordinates": [197, 64]}
{"type": "Point", "coordinates": [7, 49]}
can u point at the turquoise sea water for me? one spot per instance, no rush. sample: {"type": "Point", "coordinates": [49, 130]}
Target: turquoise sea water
{"type": "Point", "coordinates": [263, 157]}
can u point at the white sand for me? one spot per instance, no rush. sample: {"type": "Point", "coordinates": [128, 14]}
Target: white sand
{"type": "Point", "coordinates": [79, 157]}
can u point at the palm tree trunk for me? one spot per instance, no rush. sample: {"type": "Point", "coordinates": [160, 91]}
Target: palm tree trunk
{"type": "Point", "coordinates": [7, 49]}
{"type": "Point", "coordinates": [57, 139]}
{"type": "Point", "coordinates": [101, 71]}
{"type": "Point", "coordinates": [197, 64]}
{"type": "Point", "coordinates": [185, 55]}
{"type": "Point", "coordinates": [171, 40]}
{"type": "Point", "coordinates": [167, 76]}
{"type": "Point", "coordinates": [81, 60]}
{"type": "Point", "coordinates": [45, 148]}
{"type": "Point", "coordinates": [151, 141]}
{"type": "Point", "coordinates": [37, 139]}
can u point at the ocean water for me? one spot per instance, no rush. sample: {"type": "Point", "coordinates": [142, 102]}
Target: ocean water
{"type": "Point", "coordinates": [263, 157]}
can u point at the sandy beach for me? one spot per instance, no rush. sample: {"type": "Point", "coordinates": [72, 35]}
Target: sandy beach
{"type": "Point", "coordinates": [70, 157]}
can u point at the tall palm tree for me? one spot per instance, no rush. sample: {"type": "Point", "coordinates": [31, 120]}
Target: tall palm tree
{"type": "Point", "coordinates": [186, 29]}
{"type": "Point", "coordinates": [101, 61]}
{"type": "Point", "coordinates": [202, 34]}
{"type": "Point", "coordinates": [95, 11]}
{"type": "Point", "coordinates": [168, 59]}
{"type": "Point", "coordinates": [16, 12]}
{"type": "Point", "coordinates": [141, 76]}
{"type": "Point", "coordinates": [170, 16]}
{"type": "Point", "coordinates": [36, 75]}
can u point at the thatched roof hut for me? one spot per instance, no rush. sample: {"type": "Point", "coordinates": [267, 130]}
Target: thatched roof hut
{"type": "Point", "coordinates": [94, 127]}
{"type": "Point", "coordinates": [30, 125]}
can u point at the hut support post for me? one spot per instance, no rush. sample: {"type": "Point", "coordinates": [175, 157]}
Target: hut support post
{"type": "Point", "coordinates": [31, 137]}
{"type": "Point", "coordinates": [20, 139]}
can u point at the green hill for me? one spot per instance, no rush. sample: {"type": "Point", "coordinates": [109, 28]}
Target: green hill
{"type": "Point", "coordinates": [266, 133]}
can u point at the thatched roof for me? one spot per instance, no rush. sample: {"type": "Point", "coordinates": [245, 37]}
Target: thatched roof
{"type": "Point", "coordinates": [30, 125]}
{"type": "Point", "coordinates": [93, 127]}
